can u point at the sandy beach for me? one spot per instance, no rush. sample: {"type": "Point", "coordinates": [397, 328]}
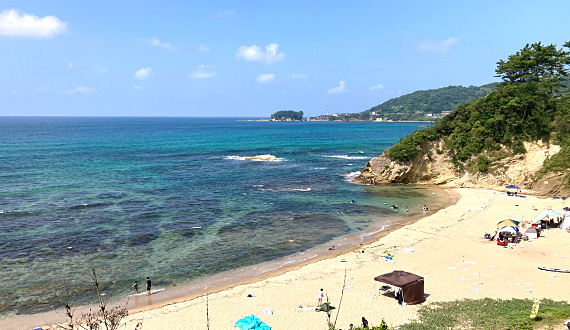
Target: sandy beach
{"type": "Point", "coordinates": [446, 248]}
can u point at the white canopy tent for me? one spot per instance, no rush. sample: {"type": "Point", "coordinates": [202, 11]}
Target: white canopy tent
{"type": "Point", "coordinates": [546, 213]}
{"type": "Point", "coordinates": [509, 229]}
{"type": "Point", "coordinates": [566, 222]}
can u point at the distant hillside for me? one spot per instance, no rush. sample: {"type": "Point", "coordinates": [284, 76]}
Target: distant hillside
{"type": "Point", "coordinates": [424, 105]}
{"type": "Point", "coordinates": [421, 105]}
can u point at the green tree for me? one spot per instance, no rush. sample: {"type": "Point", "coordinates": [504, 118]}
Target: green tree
{"type": "Point", "coordinates": [536, 63]}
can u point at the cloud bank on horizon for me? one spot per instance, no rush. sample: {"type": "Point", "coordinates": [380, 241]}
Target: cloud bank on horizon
{"type": "Point", "coordinates": [197, 59]}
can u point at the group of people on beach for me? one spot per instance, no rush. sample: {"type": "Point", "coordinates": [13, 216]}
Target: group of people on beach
{"type": "Point", "coordinates": [148, 286]}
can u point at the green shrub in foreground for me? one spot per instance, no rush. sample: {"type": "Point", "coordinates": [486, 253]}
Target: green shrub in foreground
{"type": "Point", "coordinates": [489, 314]}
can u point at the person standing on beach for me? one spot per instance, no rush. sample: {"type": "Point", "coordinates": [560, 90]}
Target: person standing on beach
{"type": "Point", "coordinates": [320, 296]}
{"type": "Point", "coordinates": [148, 285]}
{"type": "Point", "coordinates": [136, 286]}
{"type": "Point", "coordinates": [364, 323]}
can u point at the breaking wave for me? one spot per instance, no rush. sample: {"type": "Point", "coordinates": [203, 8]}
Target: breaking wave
{"type": "Point", "coordinates": [350, 176]}
{"type": "Point", "coordinates": [258, 158]}
{"type": "Point", "coordinates": [346, 157]}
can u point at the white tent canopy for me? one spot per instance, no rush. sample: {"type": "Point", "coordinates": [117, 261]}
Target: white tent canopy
{"type": "Point", "coordinates": [566, 223]}
{"type": "Point", "coordinates": [509, 229]}
{"type": "Point", "coordinates": [546, 213]}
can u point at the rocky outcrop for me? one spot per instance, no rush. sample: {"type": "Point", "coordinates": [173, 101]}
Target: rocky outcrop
{"type": "Point", "coordinates": [433, 166]}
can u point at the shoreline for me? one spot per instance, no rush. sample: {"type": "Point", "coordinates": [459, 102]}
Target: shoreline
{"type": "Point", "coordinates": [445, 247]}
{"type": "Point", "coordinates": [246, 275]}
{"type": "Point", "coordinates": [438, 247]}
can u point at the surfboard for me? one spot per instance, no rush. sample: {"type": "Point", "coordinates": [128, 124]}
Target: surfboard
{"type": "Point", "coordinates": [151, 292]}
{"type": "Point", "coordinates": [554, 270]}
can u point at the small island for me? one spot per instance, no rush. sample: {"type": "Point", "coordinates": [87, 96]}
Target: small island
{"type": "Point", "coordinates": [287, 115]}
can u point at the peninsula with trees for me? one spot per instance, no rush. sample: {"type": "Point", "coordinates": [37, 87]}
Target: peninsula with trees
{"type": "Point", "coordinates": [517, 134]}
{"type": "Point", "coordinates": [422, 105]}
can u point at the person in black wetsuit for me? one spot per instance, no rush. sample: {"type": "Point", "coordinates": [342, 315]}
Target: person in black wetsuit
{"type": "Point", "coordinates": [148, 286]}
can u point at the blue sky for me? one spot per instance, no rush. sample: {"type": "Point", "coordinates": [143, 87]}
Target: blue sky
{"type": "Point", "coordinates": [252, 58]}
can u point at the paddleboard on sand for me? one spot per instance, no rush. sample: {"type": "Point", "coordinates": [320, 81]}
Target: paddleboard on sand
{"type": "Point", "coordinates": [151, 292]}
{"type": "Point", "coordinates": [554, 269]}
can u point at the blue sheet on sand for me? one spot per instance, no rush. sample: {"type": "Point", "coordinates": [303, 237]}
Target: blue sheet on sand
{"type": "Point", "coordinates": [252, 323]}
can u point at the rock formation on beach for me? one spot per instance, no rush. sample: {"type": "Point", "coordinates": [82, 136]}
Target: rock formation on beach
{"type": "Point", "coordinates": [431, 167]}
{"type": "Point", "coordinates": [518, 134]}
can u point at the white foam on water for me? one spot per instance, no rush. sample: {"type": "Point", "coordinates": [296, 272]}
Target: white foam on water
{"type": "Point", "coordinates": [345, 157]}
{"type": "Point", "coordinates": [301, 189]}
{"type": "Point", "coordinates": [257, 158]}
{"type": "Point", "coordinates": [350, 176]}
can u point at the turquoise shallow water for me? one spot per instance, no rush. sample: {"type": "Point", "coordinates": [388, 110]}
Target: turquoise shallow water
{"type": "Point", "coordinates": [174, 199]}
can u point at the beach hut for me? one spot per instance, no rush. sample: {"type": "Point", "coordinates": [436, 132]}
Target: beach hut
{"type": "Point", "coordinates": [532, 233]}
{"type": "Point", "coordinates": [412, 285]}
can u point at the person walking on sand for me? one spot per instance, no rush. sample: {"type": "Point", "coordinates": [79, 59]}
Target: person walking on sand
{"type": "Point", "coordinates": [136, 286]}
{"type": "Point", "coordinates": [364, 323]}
{"type": "Point", "coordinates": [320, 296]}
{"type": "Point", "coordinates": [148, 285]}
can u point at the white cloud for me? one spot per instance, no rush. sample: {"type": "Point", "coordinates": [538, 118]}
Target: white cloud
{"type": "Point", "coordinates": [70, 65]}
{"type": "Point", "coordinates": [341, 88]}
{"type": "Point", "coordinates": [43, 89]}
{"type": "Point", "coordinates": [203, 48]}
{"type": "Point", "coordinates": [82, 90]}
{"type": "Point", "coordinates": [202, 72]}
{"type": "Point", "coordinates": [144, 73]}
{"type": "Point", "coordinates": [379, 86]}
{"type": "Point", "coordinates": [255, 54]}
{"type": "Point", "coordinates": [100, 69]}
{"type": "Point", "coordinates": [438, 45]}
{"type": "Point", "coordinates": [299, 76]}
{"type": "Point", "coordinates": [157, 43]}
{"type": "Point", "coordinates": [138, 88]}
{"type": "Point", "coordinates": [15, 23]}
{"type": "Point", "coordinates": [265, 77]}
{"type": "Point", "coordinates": [226, 13]}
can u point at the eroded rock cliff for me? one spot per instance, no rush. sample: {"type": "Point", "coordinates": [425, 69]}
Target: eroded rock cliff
{"type": "Point", "coordinates": [433, 165]}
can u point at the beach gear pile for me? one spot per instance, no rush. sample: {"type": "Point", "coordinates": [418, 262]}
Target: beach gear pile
{"type": "Point", "coordinates": [252, 323]}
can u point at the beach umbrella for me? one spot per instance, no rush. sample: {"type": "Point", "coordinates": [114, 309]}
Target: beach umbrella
{"type": "Point", "coordinates": [509, 229]}
{"type": "Point", "coordinates": [512, 186]}
{"type": "Point", "coordinates": [508, 222]}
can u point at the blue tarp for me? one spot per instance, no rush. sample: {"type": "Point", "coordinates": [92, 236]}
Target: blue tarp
{"type": "Point", "coordinates": [512, 186]}
{"type": "Point", "coordinates": [546, 213]}
{"type": "Point", "coordinates": [252, 323]}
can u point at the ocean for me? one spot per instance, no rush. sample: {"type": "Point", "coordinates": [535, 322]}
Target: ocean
{"type": "Point", "coordinates": [176, 199]}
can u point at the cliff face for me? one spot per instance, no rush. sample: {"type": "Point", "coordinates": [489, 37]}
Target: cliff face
{"type": "Point", "coordinates": [431, 167]}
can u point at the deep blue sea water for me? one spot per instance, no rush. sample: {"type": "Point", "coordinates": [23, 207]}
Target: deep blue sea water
{"type": "Point", "coordinates": [174, 198]}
